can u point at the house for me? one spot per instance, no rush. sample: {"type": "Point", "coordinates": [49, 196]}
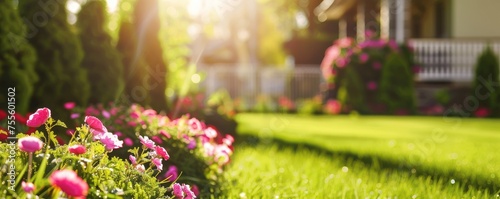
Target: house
{"type": "Point", "coordinates": [447, 35]}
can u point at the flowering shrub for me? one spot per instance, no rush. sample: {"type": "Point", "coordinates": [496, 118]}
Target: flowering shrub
{"type": "Point", "coordinates": [486, 76]}
{"type": "Point", "coordinates": [355, 70]}
{"type": "Point", "coordinates": [199, 151]}
{"type": "Point", "coordinates": [84, 167]}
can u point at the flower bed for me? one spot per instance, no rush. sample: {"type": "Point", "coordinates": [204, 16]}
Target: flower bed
{"type": "Point", "coordinates": [142, 155]}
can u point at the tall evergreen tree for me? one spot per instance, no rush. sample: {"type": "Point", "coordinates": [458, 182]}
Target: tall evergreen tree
{"type": "Point", "coordinates": [17, 59]}
{"type": "Point", "coordinates": [134, 72]}
{"type": "Point", "coordinates": [59, 52]}
{"type": "Point", "coordinates": [101, 59]}
{"type": "Point", "coordinates": [147, 25]}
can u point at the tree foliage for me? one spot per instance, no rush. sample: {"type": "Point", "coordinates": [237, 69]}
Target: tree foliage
{"type": "Point", "coordinates": [59, 52]}
{"type": "Point", "coordinates": [101, 59]}
{"type": "Point", "coordinates": [487, 79]}
{"type": "Point", "coordinates": [17, 59]}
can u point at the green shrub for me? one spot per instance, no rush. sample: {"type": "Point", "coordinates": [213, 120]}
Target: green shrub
{"type": "Point", "coordinates": [486, 79]}
{"type": "Point", "coordinates": [396, 85]}
{"type": "Point", "coordinates": [59, 52]}
{"type": "Point", "coordinates": [17, 58]}
{"type": "Point", "coordinates": [352, 92]}
{"type": "Point", "coordinates": [101, 59]}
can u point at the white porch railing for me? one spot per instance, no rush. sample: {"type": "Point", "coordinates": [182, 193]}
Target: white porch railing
{"type": "Point", "coordinates": [449, 59]}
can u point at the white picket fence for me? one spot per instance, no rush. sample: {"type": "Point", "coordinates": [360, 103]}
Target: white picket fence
{"type": "Point", "coordinates": [249, 82]}
{"type": "Point", "coordinates": [450, 60]}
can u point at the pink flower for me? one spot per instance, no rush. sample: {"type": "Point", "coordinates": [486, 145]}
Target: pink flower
{"type": "Point", "coordinates": [194, 124]}
{"type": "Point", "coordinates": [106, 114]}
{"type": "Point", "coordinates": [132, 159]}
{"type": "Point", "coordinates": [377, 65]}
{"type": "Point", "coordinates": [162, 152]}
{"type": "Point", "coordinates": [210, 132]}
{"type": "Point", "coordinates": [344, 42]}
{"type": "Point", "coordinates": [369, 34]}
{"type": "Point", "coordinates": [341, 62]}
{"type": "Point", "coordinates": [172, 173]}
{"type": "Point", "coordinates": [128, 142]}
{"type": "Point", "coordinates": [363, 58]}
{"type": "Point", "coordinates": [147, 142]}
{"type": "Point", "coordinates": [195, 190]}
{"type": "Point", "coordinates": [28, 187]}
{"type": "Point", "coordinates": [69, 105]}
{"type": "Point", "coordinates": [177, 191]}
{"type": "Point", "coordinates": [393, 45]}
{"type": "Point", "coordinates": [157, 139]}
{"type": "Point", "coordinates": [95, 123]}
{"type": "Point", "coordinates": [140, 168]}
{"type": "Point", "coordinates": [371, 85]}
{"type": "Point", "coordinates": [69, 183]}
{"type": "Point", "coordinates": [482, 112]}
{"type": "Point", "coordinates": [333, 107]}
{"type": "Point", "coordinates": [29, 144]}
{"type": "Point", "coordinates": [74, 115]}
{"type": "Point", "coordinates": [192, 144]}
{"type": "Point", "coordinates": [187, 191]}
{"type": "Point", "coordinates": [331, 54]}
{"type": "Point", "coordinates": [228, 140]}
{"type": "Point", "coordinates": [110, 141]}
{"type": "Point", "coordinates": [77, 149]}
{"type": "Point", "coordinates": [70, 131]}
{"type": "Point", "coordinates": [157, 162]}
{"type": "Point", "coordinates": [38, 118]}
{"type": "Point", "coordinates": [163, 132]}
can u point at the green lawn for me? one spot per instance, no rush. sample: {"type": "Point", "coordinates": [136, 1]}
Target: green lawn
{"type": "Point", "coordinates": [294, 156]}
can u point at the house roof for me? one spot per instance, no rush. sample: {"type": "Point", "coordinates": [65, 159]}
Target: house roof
{"type": "Point", "coordinates": [333, 9]}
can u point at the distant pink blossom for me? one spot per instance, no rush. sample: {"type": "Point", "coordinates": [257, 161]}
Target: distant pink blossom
{"type": "Point", "coordinates": [228, 140]}
{"type": "Point", "coordinates": [106, 114]}
{"type": "Point", "coordinates": [210, 132]}
{"type": "Point", "coordinates": [28, 187]}
{"type": "Point", "coordinates": [77, 149]}
{"type": "Point", "coordinates": [172, 173]}
{"type": "Point", "coordinates": [128, 142]}
{"type": "Point", "coordinates": [341, 62]}
{"type": "Point", "coordinates": [163, 132]}
{"type": "Point", "coordinates": [333, 107]}
{"type": "Point", "coordinates": [158, 163]}
{"type": "Point", "coordinates": [157, 139]}
{"type": "Point", "coordinates": [38, 118]}
{"type": "Point", "coordinates": [192, 144]}
{"type": "Point", "coordinates": [70, 131]}
{"type": "Point", "coordinates": [371, 85]}
{"type": "Point", "coordinates": [482, 112]}
{"type": "Point", "coordinates": [393, 45]}
{"type": "Point", "coordinates": [331, 54]}
{"type": "Point", "coordinates": [69, 105]}
{"type": "Point", "coordinates": [29, 144]}
{"type": "Point", "coordinates": [363, 58]}
{"type": "Point", "coordinates": [344, 42]}
{"type": "Point", "coordinates": [74, 115]}
{"type": "Point", "coordinates": [194, 125]}
{"type": "Point", "coordinates": [147, 142]}
{"type": "Point", "coordinates": [369, 34]}
{"type": "Point", "coordinates": [195, 190]}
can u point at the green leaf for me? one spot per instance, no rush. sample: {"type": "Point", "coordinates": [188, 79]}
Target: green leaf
{"type": "Point", "coordinates": [61, 123]}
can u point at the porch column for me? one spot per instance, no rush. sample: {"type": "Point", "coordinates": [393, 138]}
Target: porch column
{"type": "Point", "coordinates": [360, 23]}
{"type": "Point", "coordinates": [385, 22]}
{"type": "Point", "coordinates": [400, 20]}
{"type": "Point", "coordinates": [342, 28]}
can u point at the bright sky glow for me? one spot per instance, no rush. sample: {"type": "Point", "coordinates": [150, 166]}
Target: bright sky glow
{"type": "Point", "coordinates": [112, 5]}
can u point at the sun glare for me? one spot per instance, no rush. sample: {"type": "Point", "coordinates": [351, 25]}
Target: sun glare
{"type": "Point", "coordinates": [112, 5]}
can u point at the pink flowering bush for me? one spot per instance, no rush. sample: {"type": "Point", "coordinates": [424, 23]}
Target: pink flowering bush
{"type": "Point", "coordinates": [354, 71]}
{"type": "Point", "coordinates": [39, 166]}
{"type": "Point", "coordinates": [196, 152]}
